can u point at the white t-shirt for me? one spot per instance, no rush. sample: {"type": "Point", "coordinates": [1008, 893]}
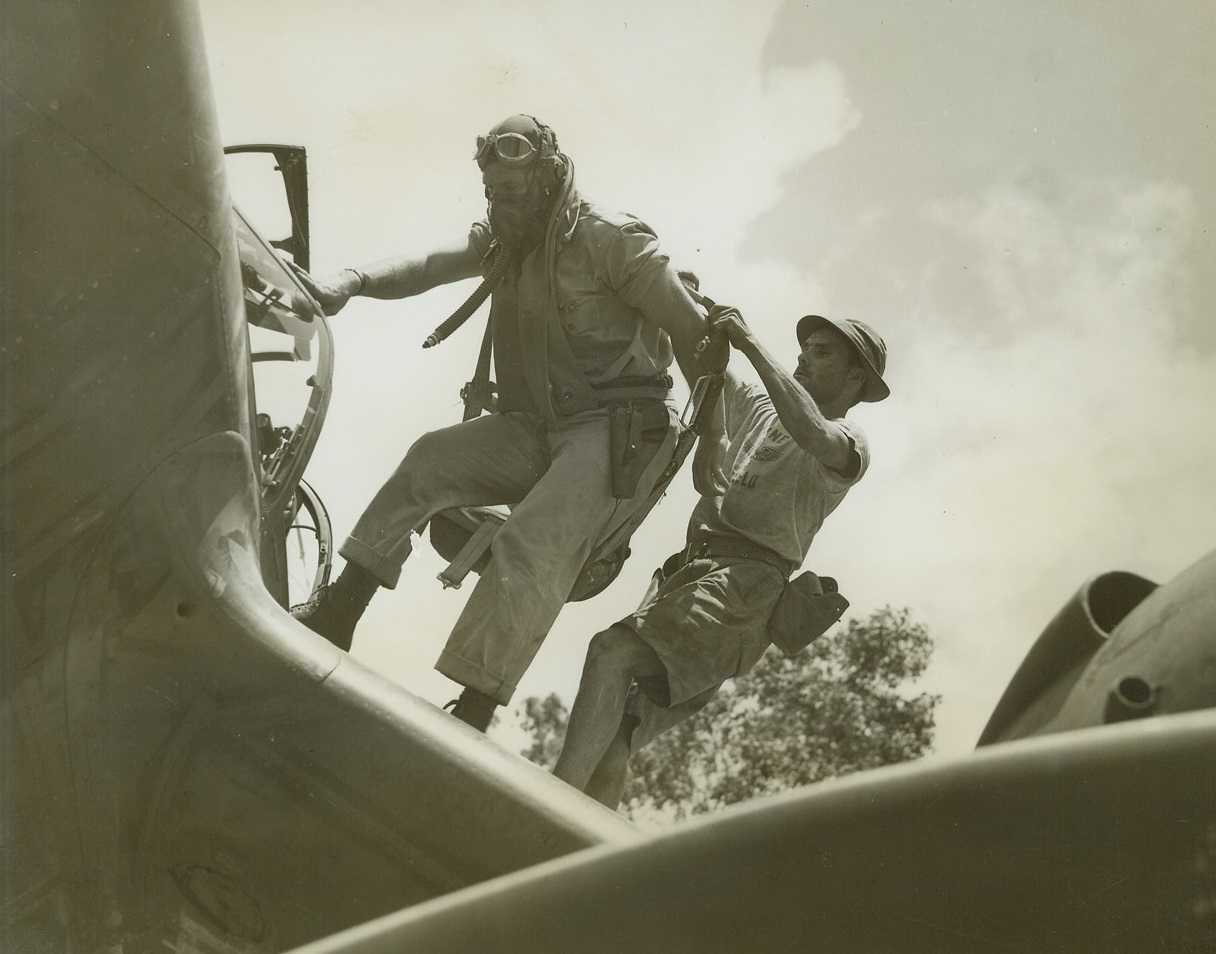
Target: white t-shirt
{"type": "Point", "coordinates": [779, 494]}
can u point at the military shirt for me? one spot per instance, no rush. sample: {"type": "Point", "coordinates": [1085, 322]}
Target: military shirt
{"type": "Point", "coordinates": [607, 273]}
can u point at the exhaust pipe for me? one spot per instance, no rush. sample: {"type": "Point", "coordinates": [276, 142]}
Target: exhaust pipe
{"type": "Point", "coordinates": [1132, 698]}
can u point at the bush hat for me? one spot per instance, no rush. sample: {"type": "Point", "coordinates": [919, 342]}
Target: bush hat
{"type": "Point", "coordinates": [865, 341]}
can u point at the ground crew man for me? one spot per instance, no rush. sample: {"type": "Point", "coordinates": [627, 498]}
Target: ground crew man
{"type": "Point", "coordinates": [789, 456]}
{"type": "Point", "coordinates": [585, 322]}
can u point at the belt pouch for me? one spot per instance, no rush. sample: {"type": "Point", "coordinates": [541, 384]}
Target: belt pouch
{"type": "Point", "coordinates": [807, 608]}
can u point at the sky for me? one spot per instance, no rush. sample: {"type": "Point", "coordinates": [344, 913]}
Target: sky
{"type": "Point", "coordinates": [1016, 195]}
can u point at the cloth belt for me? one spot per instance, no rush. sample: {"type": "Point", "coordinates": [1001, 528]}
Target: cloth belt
{"type": "Point", "coordinates": [719, 545]}
{"type": "Point", "coordinates": [657, 388]}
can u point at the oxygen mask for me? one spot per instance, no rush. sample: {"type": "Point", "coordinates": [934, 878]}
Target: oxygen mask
{"type": "Point", "coordinates": [516, 207]}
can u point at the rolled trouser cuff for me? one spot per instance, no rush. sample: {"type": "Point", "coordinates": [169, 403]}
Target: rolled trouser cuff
{"type": "Point", "coordinates": [386, 570]}
{"type": "Point", "coordinates": [473, 676]}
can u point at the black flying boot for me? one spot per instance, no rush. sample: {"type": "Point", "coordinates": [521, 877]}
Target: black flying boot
{"type": "Point", "coordinates": [474, 708]}
{"type": "Point", "coordinates": [336, 608]}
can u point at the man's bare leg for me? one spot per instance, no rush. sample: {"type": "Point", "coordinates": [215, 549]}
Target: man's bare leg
{"type": "Point", "coordinates": [607, 782]}
{"type": "Point", "coordinates": [615, 658]}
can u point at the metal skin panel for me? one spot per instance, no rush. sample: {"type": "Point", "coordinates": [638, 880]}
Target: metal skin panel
{"type": "Point", "coordinates": [124, 333]}
{"type": "Point", "coordinates": [1096, 831]}
{"type": "Point", "coordinates": [1092, 841]}
{"type": "Point", "coordinates": [1165, 648]}
{"type": "Point", "coordinates": [227, 775]}
{"type": "Point", "coordinates": [1122, 648]}
{"type": "Point", "coordinates": [184, 767]}
{"type": "Point", "coordinates": [1061, 654]}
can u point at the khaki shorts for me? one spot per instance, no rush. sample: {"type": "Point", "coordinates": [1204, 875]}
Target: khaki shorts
{"type": "Point", "coordinates": [707, 622]}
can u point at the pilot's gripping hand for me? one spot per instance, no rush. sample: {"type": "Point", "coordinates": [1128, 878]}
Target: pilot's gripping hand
{"type": "Point", "coordinates": [331, 293]}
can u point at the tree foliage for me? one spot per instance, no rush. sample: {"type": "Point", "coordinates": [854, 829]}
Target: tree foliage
{"type": "Point", "coordinates": [840, 706]}
{"type": "Point", "coordinates": [545, 722]}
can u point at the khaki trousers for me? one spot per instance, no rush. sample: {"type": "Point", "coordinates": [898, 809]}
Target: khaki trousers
{"type": "Point", "coordinates": [555, 477]}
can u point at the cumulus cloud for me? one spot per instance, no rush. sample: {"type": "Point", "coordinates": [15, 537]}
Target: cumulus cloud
{"type": "Point", "coordinates": [1026, 219]}
{"type": "Point", "coordinates": [1056, 431]}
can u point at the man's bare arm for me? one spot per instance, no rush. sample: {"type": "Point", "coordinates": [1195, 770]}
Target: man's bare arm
{"type": "Point", "coordinates": [800, 415]}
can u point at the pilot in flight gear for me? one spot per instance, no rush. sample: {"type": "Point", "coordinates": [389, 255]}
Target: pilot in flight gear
{"type": "Point", "coordinates": [585, 321]}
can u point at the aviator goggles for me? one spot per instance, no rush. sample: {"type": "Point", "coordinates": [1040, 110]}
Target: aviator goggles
{"type": "Point", "coordinates": [511, 149]}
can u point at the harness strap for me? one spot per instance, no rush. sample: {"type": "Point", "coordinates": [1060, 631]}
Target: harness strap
{"type": "Point", "coordinates": [476, 393]}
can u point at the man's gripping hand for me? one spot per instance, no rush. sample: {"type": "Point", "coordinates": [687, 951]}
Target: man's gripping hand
{"type": "Point", "coordinates": [727, 324]}
{"type": "Point", "coordinates": [331, 293]}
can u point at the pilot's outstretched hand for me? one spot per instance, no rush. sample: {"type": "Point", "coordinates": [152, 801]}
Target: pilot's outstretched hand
{"type": "Point", "coordinates": [331, 293]}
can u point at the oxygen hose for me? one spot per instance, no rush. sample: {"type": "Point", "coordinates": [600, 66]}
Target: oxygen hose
{"type": "Point", "coordinates": [498, 267]}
